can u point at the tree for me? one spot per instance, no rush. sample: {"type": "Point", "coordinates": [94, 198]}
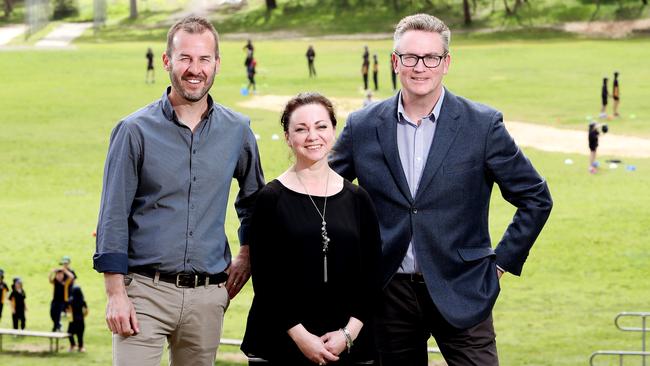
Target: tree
{"type": "Point", "coordinates": [467, 13]}
{"type": "Point", "coordinates": [133, 9]}
{"type": "Point", "coordinates": [9, 7]}
{"type": "Point", "coordinates": [270, 5]}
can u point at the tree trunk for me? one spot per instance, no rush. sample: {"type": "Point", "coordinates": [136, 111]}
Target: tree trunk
{"type": "Point", "coordinates": [508, 11]}
{"type": "Point", "coordinates": [467, 13]}
{"type": "Point", "coordinates": [134, 9]}
{"type": "Point", "coordinates": [270, 5]}
{"type": "Point", "coordinates": [9, 7]}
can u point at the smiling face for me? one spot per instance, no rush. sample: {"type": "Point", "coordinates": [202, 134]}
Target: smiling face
{"type": "Point", "coordinates": [310, 133]}
{"type": "Point", "coordinates": [192, 65]}
{"type": "Point", "coordinates": [420, 81]}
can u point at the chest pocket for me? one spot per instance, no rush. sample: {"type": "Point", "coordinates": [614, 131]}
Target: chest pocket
{"type": "Point", "coordinates": [460, 167]}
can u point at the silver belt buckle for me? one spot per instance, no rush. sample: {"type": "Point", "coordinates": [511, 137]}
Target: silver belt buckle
{"type": "Point", "coordinates": [178, 276]}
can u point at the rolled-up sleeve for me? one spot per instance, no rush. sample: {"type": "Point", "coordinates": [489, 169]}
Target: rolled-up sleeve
{"type": "Point", "coordinates": [250, 178]}
{"type": "Point", "coordinates": [119, 186]}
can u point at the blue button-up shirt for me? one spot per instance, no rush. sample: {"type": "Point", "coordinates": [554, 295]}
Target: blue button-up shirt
{"type": "Point", "coordinates": [166, 188]}
{"type": "Point", "coordinates": [413, 142]}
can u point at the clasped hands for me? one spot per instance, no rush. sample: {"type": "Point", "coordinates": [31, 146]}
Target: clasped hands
{"type": "Point", "coordinates": [320, 350]}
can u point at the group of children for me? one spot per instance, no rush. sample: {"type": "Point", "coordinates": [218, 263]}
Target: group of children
{"type": "Point", "coordinates": [67, 298]}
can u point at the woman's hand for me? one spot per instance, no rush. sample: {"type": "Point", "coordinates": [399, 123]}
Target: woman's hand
{"type": "Point", "coordinates": [334, 342]}
{"type": "Point", "coordinates": [312, 346]}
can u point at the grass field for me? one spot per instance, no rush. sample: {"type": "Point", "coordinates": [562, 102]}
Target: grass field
{"type": "Point", "coordinates": [58, 108]}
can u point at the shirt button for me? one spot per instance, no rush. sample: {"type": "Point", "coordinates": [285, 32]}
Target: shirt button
{"type": "Point", "coordinates": [192, 206]}
{"type": "Point", "coordinates": [194, 179]}
{"type": "Point", "coordinates": [194, 151]}
{"type": "Point", "coordinates": [191, 233]}
{"type": "Point", "coordinates": [414, 210]}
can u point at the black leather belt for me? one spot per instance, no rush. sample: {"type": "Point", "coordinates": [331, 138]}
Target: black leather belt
{"type": "Point", "coordinates": [410, 277]}
{"type": "Point", "coordinates": [183, 280]}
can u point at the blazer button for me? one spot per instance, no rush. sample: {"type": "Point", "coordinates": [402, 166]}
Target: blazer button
{"type": "Point", "coordinates": [414, 210]}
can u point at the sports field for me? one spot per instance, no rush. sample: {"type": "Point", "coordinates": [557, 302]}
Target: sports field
{"type": "Point", "coordinates": [57, 109]}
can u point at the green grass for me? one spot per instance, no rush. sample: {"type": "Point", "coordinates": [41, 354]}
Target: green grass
{"type": "Point", "coordinates": [589, 263]}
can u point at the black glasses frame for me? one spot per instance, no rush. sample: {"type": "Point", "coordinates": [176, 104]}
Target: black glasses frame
{"type": "Point", "coordinates": [438, 58]}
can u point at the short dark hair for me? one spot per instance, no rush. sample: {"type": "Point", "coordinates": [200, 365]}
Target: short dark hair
{"type": "Point", "coordinates": [192, 24]}
{"type": "Point", "coordinates": [306, 99]}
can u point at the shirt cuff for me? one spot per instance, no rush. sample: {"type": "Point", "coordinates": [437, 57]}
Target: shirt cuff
{"type": "Point", "coordinates": [501, 269]}
{"type": "Point", "coordinates": [111, 262]}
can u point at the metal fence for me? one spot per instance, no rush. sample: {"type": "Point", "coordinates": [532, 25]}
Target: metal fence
{"type": "Point", "coordinates": [643, 329]}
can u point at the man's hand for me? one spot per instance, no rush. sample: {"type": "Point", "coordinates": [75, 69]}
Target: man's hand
{"type": "Point", "coordinates": [120, 313]}
{"type": "Point", "coordinates": [239, 272]}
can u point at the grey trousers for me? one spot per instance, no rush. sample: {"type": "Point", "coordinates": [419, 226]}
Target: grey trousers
{"type": "Point", "coordinates": [190, 320]}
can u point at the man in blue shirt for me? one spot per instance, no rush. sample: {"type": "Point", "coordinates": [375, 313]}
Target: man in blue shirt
{"type": "Point", "coordinates": [161, 242]}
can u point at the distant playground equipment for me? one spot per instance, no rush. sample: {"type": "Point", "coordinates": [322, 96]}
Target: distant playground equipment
{"type": "Point", "coordinates": [644, 330]}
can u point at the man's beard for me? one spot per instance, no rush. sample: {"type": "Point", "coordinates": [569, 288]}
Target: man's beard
{"type": "Point", "coordinates": [191, 96]}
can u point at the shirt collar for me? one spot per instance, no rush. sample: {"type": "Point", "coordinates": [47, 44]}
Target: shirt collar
{"type": "Point", "coordinates": [433, 116]}
{"type": "Point", "coordinates": [168, 109]}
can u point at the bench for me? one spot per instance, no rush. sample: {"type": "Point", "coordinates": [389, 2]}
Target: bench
{"type": "Point", "coordinates": [54, 337]}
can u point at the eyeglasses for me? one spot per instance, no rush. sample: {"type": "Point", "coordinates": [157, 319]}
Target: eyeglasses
{"type": "Point", "coordinates": [430, 61]}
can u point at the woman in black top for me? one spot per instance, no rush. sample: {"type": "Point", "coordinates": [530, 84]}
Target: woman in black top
{"type": "Point", "coordinates": [314, 251]}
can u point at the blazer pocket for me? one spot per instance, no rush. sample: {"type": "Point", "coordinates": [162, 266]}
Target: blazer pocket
{"type": "Point", "coordinates": [473, 254]}
{"type": "Point", "coordinates": [460, 167]}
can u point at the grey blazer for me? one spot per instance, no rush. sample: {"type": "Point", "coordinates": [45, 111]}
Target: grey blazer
{"type": "Point", "coordinates": [448, 217]}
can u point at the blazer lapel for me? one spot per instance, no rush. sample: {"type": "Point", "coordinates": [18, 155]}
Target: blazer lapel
{"type": "Point", "coordinates": [446, 131]}
{"type": "Point", "coordinates": [387, 134]}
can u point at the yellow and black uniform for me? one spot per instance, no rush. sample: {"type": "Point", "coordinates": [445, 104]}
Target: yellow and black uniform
{"type": "Point", "coordinates": [17, 298]}
{"type": "Point", "coordinates": [3, 295]}
{"type": "Point", "coordinates": [60, 300]}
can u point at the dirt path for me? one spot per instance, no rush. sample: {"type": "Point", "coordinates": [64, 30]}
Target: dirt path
{"type": "Point", "coordinates": [526, 134]}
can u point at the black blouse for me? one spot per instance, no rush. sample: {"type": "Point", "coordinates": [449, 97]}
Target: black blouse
{"type": "Point", "coordinates": [288, 275]}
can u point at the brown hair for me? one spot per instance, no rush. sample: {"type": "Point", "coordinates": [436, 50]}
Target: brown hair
{"type": "Point", "coordinates": [305, 99]}
{"type": "Point", "coordinates": [192, 24]}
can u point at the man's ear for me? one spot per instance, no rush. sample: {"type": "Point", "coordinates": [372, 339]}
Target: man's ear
{"type": "Point", "coordinates": [166, 61]}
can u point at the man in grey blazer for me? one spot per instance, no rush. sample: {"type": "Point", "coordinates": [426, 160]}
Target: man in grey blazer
{"type": "Point", "coordinates": [429, 160]}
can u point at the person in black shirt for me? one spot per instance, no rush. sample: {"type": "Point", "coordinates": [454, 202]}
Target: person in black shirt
{"type": "Point", "coordinates": [150, 76]}
{"type": "Point", "coordinates": [18, 306]}
{"type": "Point", "coordinates": [314, 252]}
{"type": "Point", "coordinates": [3, 291]}
{"type": "Point", "coordinates": [311, 55]}
{"type": "Point", "coordinates": [61, 279]}
{"type": "Point", "coordinates": [375, 71]}
{"type": "Point", "coordinates": [79, 309]}
{"type": "Point", "coordinates": [365, 66]}
{"type": "Point", "coordinates": [604, 96]}
{"type": "Point", "coordinates": [593, 146]}
{"type": "Point", "coordinates": [616, 94]}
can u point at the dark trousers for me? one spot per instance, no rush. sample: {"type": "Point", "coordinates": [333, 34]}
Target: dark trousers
{"type": "Point", "coordinates": [365, 81]}
{"type": "Point", "coordinates": [408, 317]}
{"type": "Point", "coordinates": [56, 307]}
{"type": "Point", "coordinates": [374, 79]}
{"type": "Point", "coordinates": [76, 328]}
{"type": "Point", "coordinates": [312, 69]}
{"type": "Point", "coordinates": [1, 306]}
{"type": "Point", "coordinates": [19, 316]}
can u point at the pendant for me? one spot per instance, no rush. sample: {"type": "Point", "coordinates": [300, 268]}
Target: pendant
{"type": "Point", "coordinates": [325, 268]}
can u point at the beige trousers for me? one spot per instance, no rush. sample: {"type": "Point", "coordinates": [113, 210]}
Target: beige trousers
{"type": "Point", "coordinates": [189, 319]}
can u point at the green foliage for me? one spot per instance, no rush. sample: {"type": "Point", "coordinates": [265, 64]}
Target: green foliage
{"type": "Point", "coordinates": [64, 9]}
{"type": "Point", "coordinates": [588, 264]}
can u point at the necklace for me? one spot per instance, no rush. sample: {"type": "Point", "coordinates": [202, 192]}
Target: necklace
{"type": "Point", "coordinates": [323, 230]}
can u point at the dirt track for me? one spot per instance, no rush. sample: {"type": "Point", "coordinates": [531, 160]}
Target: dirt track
{"type": "Point", "coordinates": [526, 134]}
